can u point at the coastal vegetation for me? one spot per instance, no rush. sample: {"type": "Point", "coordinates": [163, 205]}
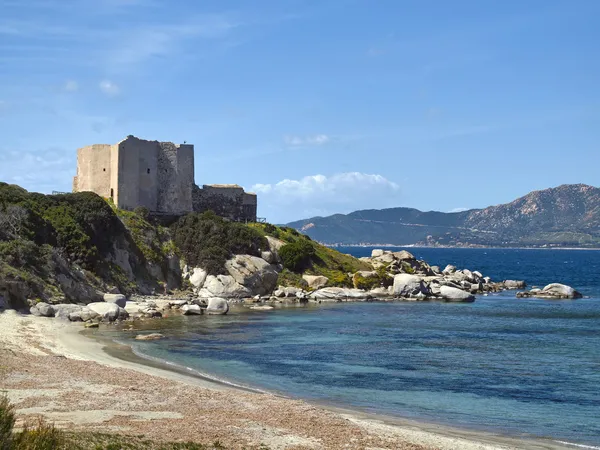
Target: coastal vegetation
{"type": "Point", "coordinates": [208, 241]}
{"type": "Point", "coordinates": [301, 255]}
{"type": "Point", "coordinates": [71, 247]}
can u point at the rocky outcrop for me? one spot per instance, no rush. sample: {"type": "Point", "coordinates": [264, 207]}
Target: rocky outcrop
{"type": "Point", "coordinates": [410, 286]}
{"type": "Point", "coordinates": [553, 291]}
{"type": "Point", "coordinates": [338, 294]}
{"type": "Point", "coordinates": [198, 277]}
{"type": "Point", "coordinates": [190, 310]}
{"type": "Point", "coordinates": [223, 286]}
{"type": "Point", "coordinates": [108, 312]}
{"type": "Point", "coordinates": [217, 305]}
{"type": "Point", "coordinates": [452, 294]}
{"type": "Point", "coordinates": [315, 281]}
{"type": "Point", "coordinates": [514, 284]}
{"type": "Point", "coordinates": [117, 299]}
{"type": "Point", "coordinates": [255, 274]}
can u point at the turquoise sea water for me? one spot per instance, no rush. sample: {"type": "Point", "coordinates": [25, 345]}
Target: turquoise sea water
{"type": "Point", "coordinates": [515, 366]}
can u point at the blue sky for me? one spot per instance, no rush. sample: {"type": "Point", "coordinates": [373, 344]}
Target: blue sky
{"type": "Point", "coordinates": [319, 106]}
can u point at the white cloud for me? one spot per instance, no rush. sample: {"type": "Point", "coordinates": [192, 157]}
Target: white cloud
{"type": "Point", "coordinates": [109, 88]}
{"type": "Point", "coordinates": [303, 141]}
{"type": "Point", "coordinates": [162, 41]}
{"type": "Point", "coordinates": [41, 170]}
{"type": "Point", "coordinates": [71, 86]}
{"type": "Point", "coordinates": [322, 195]}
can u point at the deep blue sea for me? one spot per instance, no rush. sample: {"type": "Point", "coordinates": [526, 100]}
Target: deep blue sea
{"type": "Point", "coordinates": [514, 366]}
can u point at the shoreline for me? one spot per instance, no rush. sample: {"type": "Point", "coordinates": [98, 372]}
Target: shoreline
{"type": "Point", "coordinates": [417, 427]}
{"type": "Point", "coordinates": [64, 342]}
{"type": "Point", "coordinates": [384, 246]}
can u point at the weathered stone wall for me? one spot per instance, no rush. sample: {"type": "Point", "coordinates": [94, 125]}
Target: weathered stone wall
{"type": "Point", "coordinates": [229, 201]}
{"type": "Point", "coordinates": [93, 170]}
{"type": "Point", "coordinates": [175, 177]}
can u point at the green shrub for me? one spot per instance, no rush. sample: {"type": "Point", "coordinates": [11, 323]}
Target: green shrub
{"type": "Point", "coordinates": [7, 422]}
{"type": "Point", "coordinates": [40, 437]}
{"type": "Point", "coordinates": [366, 283]}
{"type": "Point", "coordinates": [143, 212]}
{"type": "Point", "coordinates": [297, 256]}
{"type": "Point", "coordinates": [207, 240]}
{"type": "Point", "coordinates": [22, 254]}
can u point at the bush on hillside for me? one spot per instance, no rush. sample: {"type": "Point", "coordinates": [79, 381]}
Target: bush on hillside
{"type": "Point", "coordinates": [297, 256]}
{"type": "Point", "coordinates": [207, 240]}
{"type": "Point", "coordinates": [21, 253]}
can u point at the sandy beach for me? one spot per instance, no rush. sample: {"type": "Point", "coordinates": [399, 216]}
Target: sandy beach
{"type": "Point", "coordinates": [49, 369]}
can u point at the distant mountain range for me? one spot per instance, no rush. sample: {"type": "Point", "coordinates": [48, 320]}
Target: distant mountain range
{"type": "Point", "coordinates": [565, 216]}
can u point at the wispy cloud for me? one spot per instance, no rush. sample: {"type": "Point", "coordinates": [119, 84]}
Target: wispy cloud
{"type": "Point", "coordinates": [321, 194]}
{"type": "Point", "coordinates": [109, 88]}
{"type": "Point", "coordinates": [44, 170]}
{"type": "Point", "coordinates": [70, 86]}
{"type": "Point", "coordinates": [163, 41]}
{"type": "Point", "coordinates": [299, 141]}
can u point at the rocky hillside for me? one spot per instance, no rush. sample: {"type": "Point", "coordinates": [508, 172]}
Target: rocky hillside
{"type": "Point", "coordinates": [565, 216]}
{"type": "Point", "coordinates": [77, 247]}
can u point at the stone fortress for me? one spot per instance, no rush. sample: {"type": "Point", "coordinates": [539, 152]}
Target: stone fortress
{"type": "Point", "coordinates": [158, 176]}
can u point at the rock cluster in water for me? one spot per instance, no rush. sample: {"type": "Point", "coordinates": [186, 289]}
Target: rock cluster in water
{"type": "Point", "coordinates": [554, 291]}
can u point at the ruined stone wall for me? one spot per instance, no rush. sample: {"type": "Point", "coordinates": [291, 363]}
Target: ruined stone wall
{"type": "Point", "coordinates": [175, 178]}
{"type": "Point", "coordinates": [229, 201]}
{"type": "Point", "coordinates": [93, 170]}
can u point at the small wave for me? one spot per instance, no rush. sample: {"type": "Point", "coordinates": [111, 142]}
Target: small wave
{"type": "Point", "coordinates": [578, 445]}
{"type": "Point", "coordinates": [194, 372]}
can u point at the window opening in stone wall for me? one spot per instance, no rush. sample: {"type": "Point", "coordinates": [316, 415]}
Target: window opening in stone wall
{"type": "Point", "coordinates": [112, 192]}
{"type": "Point", "coordinates": [148, 171]}
{"type": "Point", "coordinates": [103, 170]}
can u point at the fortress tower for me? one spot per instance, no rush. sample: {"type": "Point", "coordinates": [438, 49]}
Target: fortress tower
{"type": "Point", "coordinates": [158, 176]}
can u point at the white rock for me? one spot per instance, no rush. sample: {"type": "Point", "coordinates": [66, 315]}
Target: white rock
{"type": "Point", "coordinates": [559, 291]}
{"type": "Point", "coordinates": [315, 281]}
{"type": "Point", "coordinates": [455, 295]}
{"type": "Point", "coordinates": [406, 285]}
{"type": "Point", "coordinates": [189, 310]}
{"type": "Point", "coordinates": [262, 307]}
{"type": "Point", "coordinates": [403, 255]}
{"type": "Point", "coordinates": [223, 286]}
{"type": "Point", "coordinates": [87, 314]}
{"type": "Point", "coordinates": [44, 309]}
{"type": "Point", "coordinates": [217, 305]}
{"type": "Point", "coordinates": [149, 337]}
{"type": "Point", "coordinates": [379, 292]}
{"type": "Point", "coordinates": [269, 257]}
{"type": "Point", "coordinates": [198, 277]}
{"type": "Point", "coordinates": [275, 244]}
{"type": "Point", "coordinates": [449, 269]}
{"type": "Point", "coordinates": [376, 253]}
{"type": "Point", "coordinates": [254, 273]}
{"type": "Point", "coordinates": [338, 294]}
{"type": "Point", "coordinates": [64, 310]}
{"type": "Point", "coordinates": [117, 299]}
{"type": "Point", "coordinates": [133, 307]}
{"type": "Point", "coordinates": [107, 311]}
